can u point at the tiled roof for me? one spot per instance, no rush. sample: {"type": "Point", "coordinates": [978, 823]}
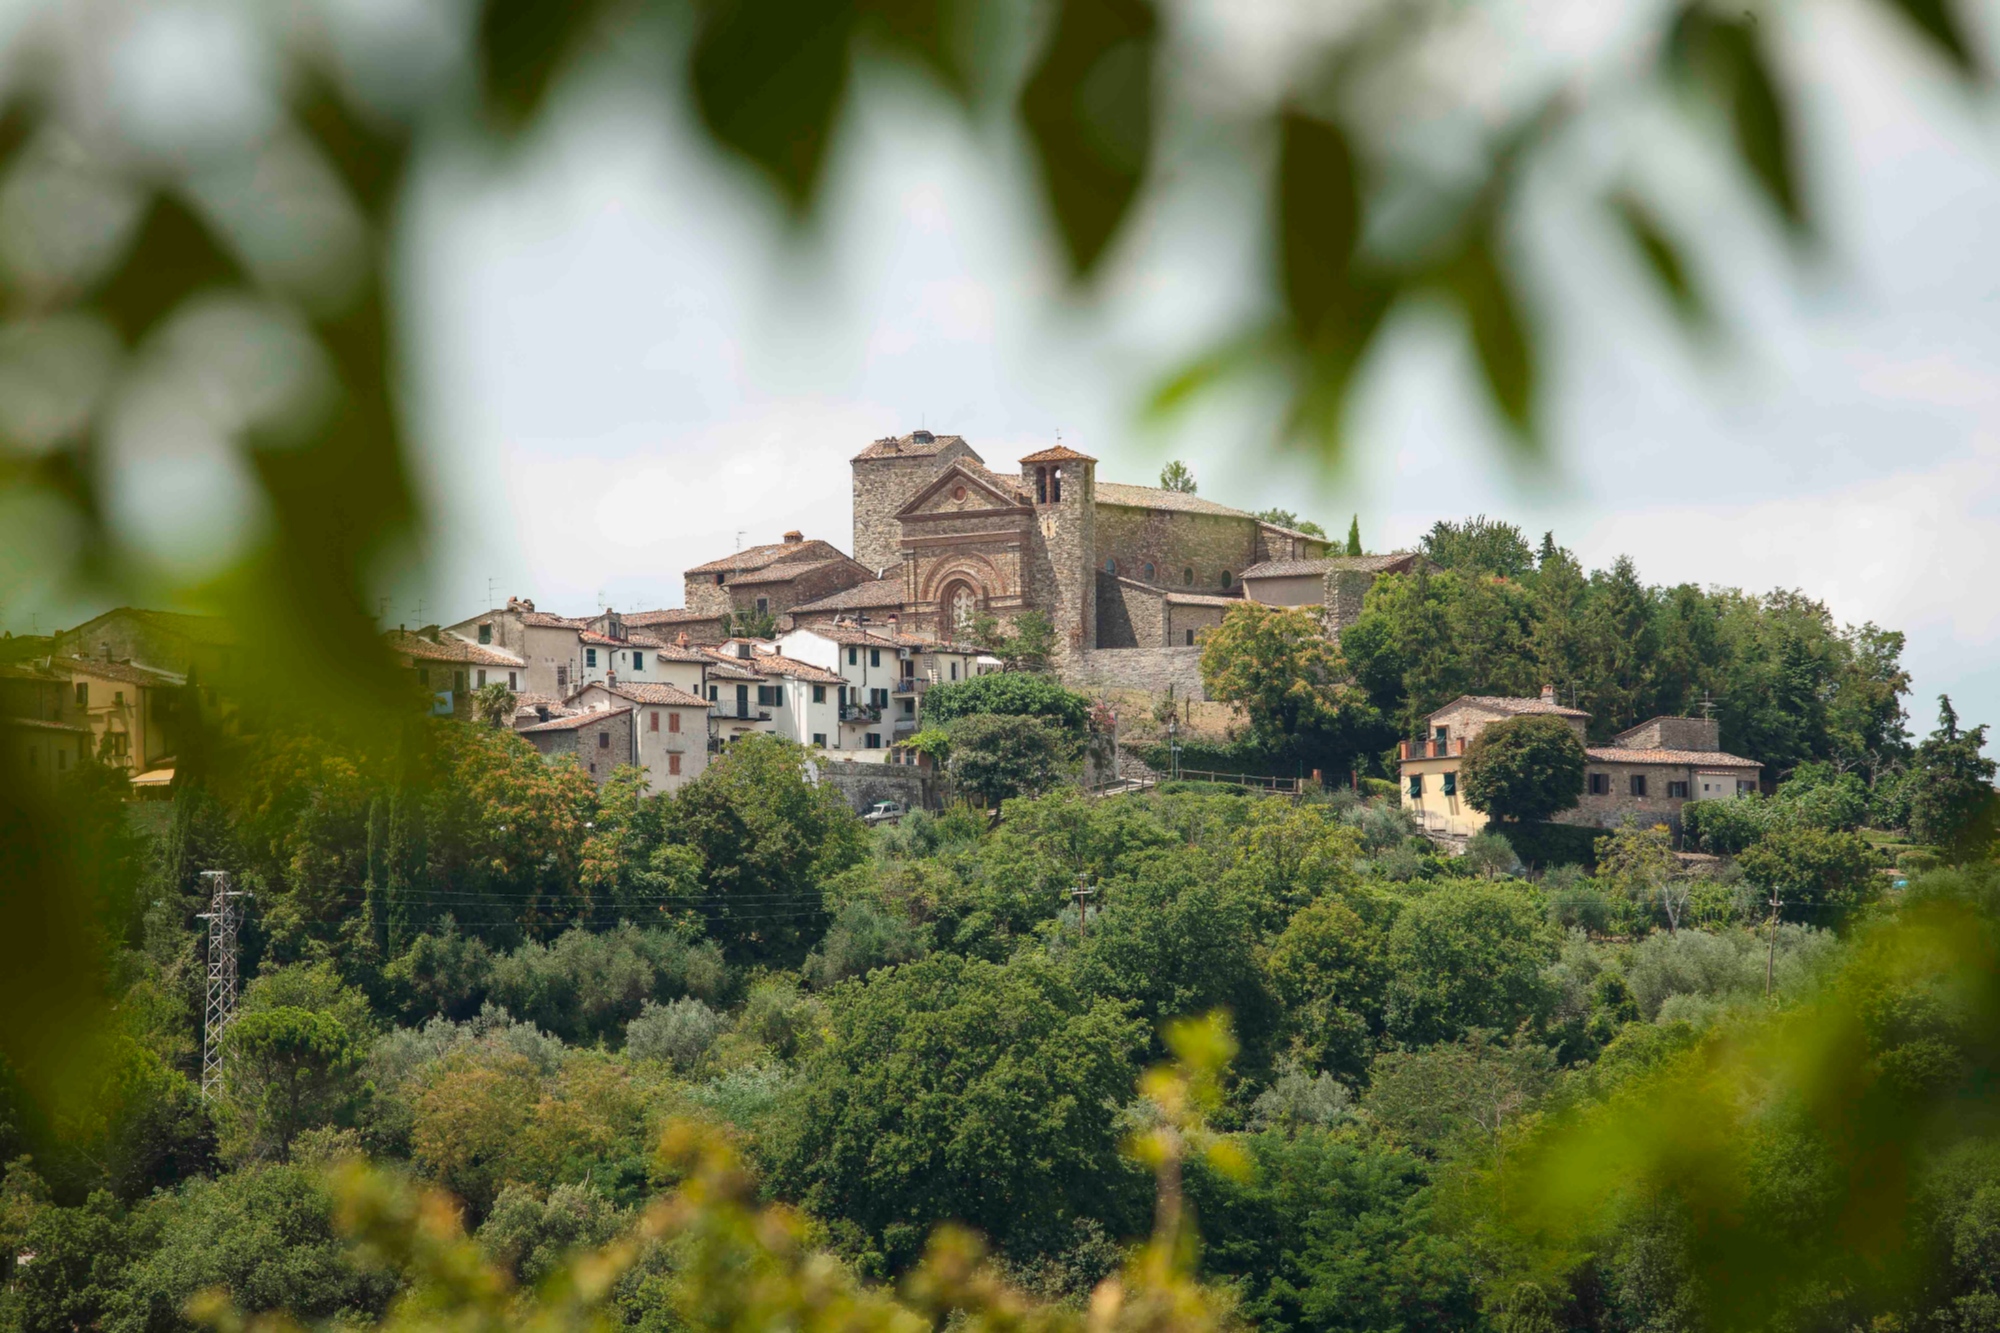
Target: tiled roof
{"type": "Point", "coordinates": [771, 664]}
{"type": "Point", "coordinates": [758, 557]}
{"type": "Point", "coordinates": [652, 692]}
{"type": "Point", "coordinates": [917, 444]}
{"type": "Point", "coordinates": [1000, 481]}
{"type": "Point", "coordinates": [1618, 754]}
{"type": "Point", "coordinates": [576, 720]}
{"type": "Point", "coordinates": [785, 571]}
{"type": "Point", "coordinates": [450, 648]}
{"type": "Point", "coordinates": [678, 615]}
{"type": "Point", "coordinates": [42, 724]}
{"type": "Point", "coordinates": [1499, 703]}
{"type": "Point", "coordinates": [668, 652]}
{"type": "Point", "coordinates": [591, 636]}
{"type": "Point", "coordinates": [201, 629]}
{"type": "Point", "coordinates": [1152, 497]}
{"type": "Point", "coordinates": [130, 672]}
{"type": "Point", "coordinates": [1202, 599]}
{"type": "Point", "coordinates": [1057, 453]}
{"type": "Point", "coordinates": [550, 620]}
{"type": "Point", "coordinates": [861, 597]}
{"type": "Point", "coordinates": [730, 668]}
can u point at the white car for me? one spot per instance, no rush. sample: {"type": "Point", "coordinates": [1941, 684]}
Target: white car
{"type": "Point", "coordinates": [883, 812]}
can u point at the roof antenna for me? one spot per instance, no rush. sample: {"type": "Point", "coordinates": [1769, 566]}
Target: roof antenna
{"type": "Point", "coordinates": [739, 539]}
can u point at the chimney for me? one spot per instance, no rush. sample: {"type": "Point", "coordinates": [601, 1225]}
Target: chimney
{"type": "Point", "coordinates": [793, 537]}
{"type": "Point", "coordinates": [1548, 694]}
{"type": "Point", "coordinates": [681, 639]}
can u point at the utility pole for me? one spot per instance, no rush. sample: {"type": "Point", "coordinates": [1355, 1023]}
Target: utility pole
{"type": "Point", "coordinates": [1771, 951]}
{"type": "Point", "coordinates": [221, 1010]}
{"type": "Point", "coordinates": [1081, 892]}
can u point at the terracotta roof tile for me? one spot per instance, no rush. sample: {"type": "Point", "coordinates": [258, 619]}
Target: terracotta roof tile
{"type": "Point", "coordinates": [678, 615]}
{"type": "Point", "coordinates": [130, 672]}
{"type": "Point", "coordinates": [758, 557]}
{"type": "Point", "coordinates": [575, 720]}
{"type": "Point", "coordinates": [1057, 453]}
{"type": "Point", "coordinates": [784, 571]}
{"type": "Point", "coordinates": [869, 596]}
{"type": "Point", "coordinates": [917, 444]}
{"type": "Point", "coordinates": [1497, 703]}
{"type": "Point", "coordinates": [1153, 497]}
{"type": "Point", "coordinates": [1328, 564]}
{"type": "Point", "coordinates": [450, 648]}
{"type": "Point", "coordinates": [1618, 754]}
{"type": "Point", "coordinates": [652, 692]}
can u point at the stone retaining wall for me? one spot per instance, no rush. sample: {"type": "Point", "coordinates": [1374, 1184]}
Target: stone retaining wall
{"type": "Point", "coordinates": [1138, 669]}
{"type": "Point", "coordinates": [864, 783]}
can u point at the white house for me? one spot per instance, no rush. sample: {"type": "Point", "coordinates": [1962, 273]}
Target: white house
{"type": "Point", "coordinates": [669, 728]}
{"type": "Point", "coordinates": [886, 674]}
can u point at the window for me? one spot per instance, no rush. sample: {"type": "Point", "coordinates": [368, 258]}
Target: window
{"type": "Point", "coordinates": [1416, 786]}
{"type": "Point", "coordinates": [874, 657]}
{"type": "Point", "coordinates": [1600, 784]}
{"type": "Point", "coordinates": [1055, 485]}
{"type": "Point", "coordinates": [1441, 735]}
{"type": "Point", "coordinates": [767, 695]}
{"type": "Point", "coordinates": [1149, 571]}
{"type": "Point", "coordinates": [909, 708]}
{"type": "Point", "coordinates": [1225, 578]}
{"type": "Point", "coordinates": [954, 671]}
{"type": "Point", "coordinates": [763, 605]}
{"type": "Point", "coordinates": [590, 657]}
{"type": "Point", "coordinates": [562, 679]}
{"type": "Point", "coordinates": [674, 764]}
{"type": "Point", "coordinates": [673, 721]}
{"type": "Point", "coordinates": [742, 701]}
{"type": "Point", "coordinates": [880, 698]}
{"type": "Point", "coordinates": [718, 580]}
{"type": "Point", "coordinates": [638, 661]}
{"type": "Point", "coordinates": [1742, 786]}
{"type": "Point", "coordinates": [1677, 791]}
{"type": "Point", "coordinates": [118, 699]}
{"type": "Point", "coordinates": [1638, 784]}
{"type": "Point", "coordinates": [1451, 784]}
{"type": "Point", "coordinates": [819, 694]}
{"type": "Point", "coordinates": [83, 694]}
{"type": "Point", "coordinates": [482, 678]}
{"type": "Point", "coordinates": [653, 720]}
{"type": "Point", "coordinates": [510, 682]}
{"type": "Point", "coordinates": [713, 693]}
{"type": "Point", "coordinates": [424, 677]}
{"type": "Point", "coordinates": [486, 634]}
{"type": "Point", "coordinates": [603, 740]}
{"type": "Point", "coordinates": [874, 741]}
{"type": "Point", "coordinates": [819, 739]}
{"type": "Point", "coordinates": [1187, 577]}
{"type": "Point", "coordinates": [853, 656]}
{"type": "Point", "coordinates": [1110, 565]}
{"type": "Point", "coordinates": [1190, 638]}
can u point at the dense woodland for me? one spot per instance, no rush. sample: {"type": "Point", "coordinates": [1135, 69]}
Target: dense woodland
{"type": "Point", "coordinates": [1639, 1092]}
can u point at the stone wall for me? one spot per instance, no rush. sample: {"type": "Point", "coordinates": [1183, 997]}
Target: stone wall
{"type": "Point", "coordinates": [1185, 551]}
{"type": "Point", "coordinates": [1184, 619]}
{"type": "Point", "coordinates": [882, 486]}
{"type": "Point", "coordinates": [1673, 733]}
{"type": "Point", "coordinates": [1138, 669]}
{"type": "Point", "coordinates": [832, 577]}
{"type": "Point", "coordinates": [1129, 614]}
{"type": "Point", "coordinates": [1346, 589]}
{"type": "Point", "coordinates": [863, 783]}
{"type": "Point", "coordinates": [1061, 579]}
{"type": "Point", "coordinates": [581, 742]}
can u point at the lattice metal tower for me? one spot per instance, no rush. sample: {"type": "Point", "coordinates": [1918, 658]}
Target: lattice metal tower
{"type": "Point", "coordinates": [221, 1011]}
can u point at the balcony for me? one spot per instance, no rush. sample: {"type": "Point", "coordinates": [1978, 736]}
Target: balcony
{"type": "Point", "coordinates": [913, 685]}
{"type": "Point", "coordinates": [1433, 749]}
{"type": "Point", "coordinates": [860, 713]}
{"type": "Point", "coordinates": [727, 711]}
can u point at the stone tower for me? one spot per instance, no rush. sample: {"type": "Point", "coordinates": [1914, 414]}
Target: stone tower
{"type": "Point", "coordinates": [1061, 575]}
{"type": "Point", "coordinates": [886, 474]}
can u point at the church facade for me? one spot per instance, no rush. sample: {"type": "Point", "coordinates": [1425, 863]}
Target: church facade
{"type": "Point", "coordinates": [947, 539]}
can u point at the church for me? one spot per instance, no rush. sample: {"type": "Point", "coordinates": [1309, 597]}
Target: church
{"type": "Point", "coordinates": [940, 538]}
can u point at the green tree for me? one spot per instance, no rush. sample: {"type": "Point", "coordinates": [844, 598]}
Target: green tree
{"type": "Point", "coordinates": [1011, 692]}
{"type": "Point", "coordinates": [1523, 768]}
{"type": "Point", "coordinates": [1026, 649]}
{"type": "Point", "coordinates": [1285, 518]}
{"type": "Point", "coordinates": [75, 1277]}
{"type": "Point", "coordinates": [1478, 546]}
{"type": "Point", "coordinates": [1453, 1092]}
{"type": "Point", "coordinates": [997, 756]}
{"type": "Point", "coordinates": [1952, 803]}
{"type": "Point", "coordinates": [767, 839]}
{"type": "Point", "coordinates": [1330, 969]}
{"type": "Point", "coordinates": [1469, 955]}
{"type": "Point", "coordinates": [1354, 535]}
{"type": "Point", "coordinates": [285, 1071]}
{"type": "Point", "coordinates": [954, 1088]}
{"type": "Point", "coordinates": [1176, 476]}
{"type": "Point", "coordinates": [1278, 665]}
{"type": "Point", "coordinates": [1823, 877]}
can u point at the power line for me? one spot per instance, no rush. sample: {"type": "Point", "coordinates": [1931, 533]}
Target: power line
{"type": "Point", "coordinates": [220, 1010]}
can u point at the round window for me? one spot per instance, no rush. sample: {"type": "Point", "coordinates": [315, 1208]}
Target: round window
{"type": "Point", "coordinates": [958, 492]}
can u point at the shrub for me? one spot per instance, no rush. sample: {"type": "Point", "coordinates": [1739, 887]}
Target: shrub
{"type": "Point", "coordinates": [1524, 768]}
{"type": "Point", "coordinates": [1546, 846]}
{"type": "Point", "coordinates": [679, 1033]}
{"type": "Point", "coordinates": [1011, 693]}
{"type": "Point", "coordinates": [1488, 854]}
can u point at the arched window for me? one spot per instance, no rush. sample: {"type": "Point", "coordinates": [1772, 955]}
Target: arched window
{"type": "Point", "coordinates": [1149, 571]}
{"type": "Point", "coordinates": [1225, 578]}
{"type": "Point", "coordinates": [1187, 577]}
{"type": "Point", "coordinates": [1110, 565]}
{"type": "Point", "coordinates": [1055, 485]}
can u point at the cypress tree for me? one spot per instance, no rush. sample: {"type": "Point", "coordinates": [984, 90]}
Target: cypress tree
{"type": "Point", "coordinates": [1354, 536]}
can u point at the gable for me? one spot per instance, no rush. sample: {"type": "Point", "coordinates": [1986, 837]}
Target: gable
{"type": "Point", "coordinates": [959, 489]}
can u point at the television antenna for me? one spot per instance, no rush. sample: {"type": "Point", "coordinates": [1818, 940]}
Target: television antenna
{"type": "Point", "coordinates": [1706, 704]}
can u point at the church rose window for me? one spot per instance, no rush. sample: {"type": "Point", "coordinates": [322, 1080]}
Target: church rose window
{"type": "Point", "coordinates": [958, 492]}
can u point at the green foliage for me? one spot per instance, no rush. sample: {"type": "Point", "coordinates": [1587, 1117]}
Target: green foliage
{"type": "Point", "coordinates": [998, 756]}
{"type": "Point", "coordinates": [1354, 536]}
{"type": "Point", "coordinates": [1028, 648]}
{"type": "Point", "coordinates": [1285, 518]}
{"type": "Point", "coordinates": [284, 1072]}
{"type": "Point", "coordinates": [1011, 693]}
{"type": "Point", "coordinates": [1278, 665]}
{"type": "Point", "coordinates": [1951, 797]}
{"type": "Point", "coordinates": [1824, 877]}
{"type": "Point", "coordinates": [1489, 854]}
{"type": "Point", "coordinates": [679, 1033]}
{"type": "Point", "coordinates": [1523, 768]}
{"type": "Point", "coordinates": [1478, 546]}
{"type": "Point", "coordinates": [1330, 969]}
{"type": "Point", "coordinates": [953, 1088]}
{"type": "Point", "coordinates": [493, 704]}
{"type": "Point", "coordinates": [1467, 956]}
{"type": "Point", "coordinates": [1177, 476]}
{"type": "Point", "coordinates": [1453, 1092]}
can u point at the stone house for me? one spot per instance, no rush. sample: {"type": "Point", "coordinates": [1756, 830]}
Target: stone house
{"type": "Point", "coordinates": [449, 668]}
{"type": "Point", "coordinates": [1646, 773]}
{"type": "Point", "coordinates": [550, 646]}
{"type": "Point", "coordinates": [674, 624]}
{"type": "Point", "coordinates": [669, 728]}
{"type": "Point", "coordinates": [1334, 583]}
{"type": "Point", "coordinates": [128, 708]}
{"type": "Point", "coordinates": [877, 600]}
{"type": "Point", "coordinates": [770, 580]}
{"type": "Point", "coordinates": [600, 740]}
{"type": "Point", "coordinates": [207, 647]}
{"type": "Point", "coordinates": [44, 751]}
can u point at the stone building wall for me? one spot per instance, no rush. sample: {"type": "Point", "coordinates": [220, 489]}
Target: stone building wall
{"type": "Point", "coordinates": [1063, 580]}
{"type": "Point", "coordinates": [863, 783]}
{"type": "Point", "coordinates": [1346, 589]}
{"type": "Point", "coordinates": [1183, 620]}
{"type": "Point", "coordinates": [1138, 669]}
{"type": "Point", "coordinates": [1130, 614]}
{"type": "Point", "coordinates": [1175, 544]}
{"type": "Point", "coordinates": [882, 486]}
{"type": "Point", "coordinates": [976, 540]}
{"type": "Point", "coordinates": [1674, 733]}
{"type": "Point", "coordinates": [596, 758]}
{"type": "Point", "coordinates": [832, 577]}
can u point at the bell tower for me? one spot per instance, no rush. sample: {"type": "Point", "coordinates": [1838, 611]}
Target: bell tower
{"type": "Point", "coordinates": [1062, 579]}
